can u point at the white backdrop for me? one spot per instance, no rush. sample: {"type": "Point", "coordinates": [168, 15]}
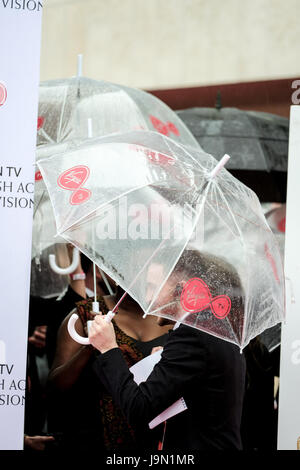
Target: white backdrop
{"type": "Point", "coordinates": [20, 32]}
{"type": "Point", "coordinates": [289, 389]}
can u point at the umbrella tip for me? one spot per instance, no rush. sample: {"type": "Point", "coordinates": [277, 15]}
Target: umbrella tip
{"type": "Point", "coordinates": [218, 104]}
{"type": "Point", "coordinates": [219, 166]}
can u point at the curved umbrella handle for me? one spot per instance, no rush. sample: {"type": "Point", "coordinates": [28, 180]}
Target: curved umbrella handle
{"type": "Point", "coordinates": [73, 333]}
{"type": "Point", "coordinates": [69, 269]}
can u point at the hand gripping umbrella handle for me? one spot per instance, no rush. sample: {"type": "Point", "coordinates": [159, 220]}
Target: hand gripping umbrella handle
{"type": "Point", "coordinates": [73, 333]}
{"type": "Point", "coordinates": [69, 269]}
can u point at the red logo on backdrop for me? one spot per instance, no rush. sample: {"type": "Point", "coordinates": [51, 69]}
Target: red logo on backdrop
{"type": "Point", "coordinates": [73, 180]}
{"type": "Point", "coordinates": [38, 176]}
{"type": "Point", "coordinates": [3, 94]}
{"type": "Point", "coordinates": [40, 122]}
{"type": "Point", "coordinates": [196, 297]}
{"type": "Point", "coordinates": [164, 128]}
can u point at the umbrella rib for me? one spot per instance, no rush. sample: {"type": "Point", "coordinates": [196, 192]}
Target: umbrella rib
{"type": "Point", "coordinates": [247, 261]}
{"type": "Point", "coordinates": [226, 319]}
{"type": "Point", "coordinates": [41, 198]}
{"type": "Point", "coordinates": [183, 148]}
{"type": "Point", "coordinates": [61, 116]}
{"type": "Point", "coordinates": [211, 206]}
{"type": "Point", "coordinates": [267, 229]}
{"type": "Point", "coordinates": [44, 133]}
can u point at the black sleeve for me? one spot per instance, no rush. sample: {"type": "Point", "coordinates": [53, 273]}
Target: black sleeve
{"type": "Point", "coordinates": [183, 359]}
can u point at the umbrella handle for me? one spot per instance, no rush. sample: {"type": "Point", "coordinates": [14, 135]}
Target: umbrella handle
{"type": "Point", "coordinates": [69, 269]}
{"type": "Point", "coordinates": [73, 333]}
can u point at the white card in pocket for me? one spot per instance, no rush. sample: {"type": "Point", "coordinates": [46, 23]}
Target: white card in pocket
{"type": "Point", "coordinates": [141, 371]}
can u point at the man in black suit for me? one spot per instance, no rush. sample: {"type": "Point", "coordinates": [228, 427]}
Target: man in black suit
{"type": "Point", "coordinates": [208, 372]}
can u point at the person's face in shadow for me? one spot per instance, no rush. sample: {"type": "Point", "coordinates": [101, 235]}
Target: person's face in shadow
{"type": "Point", "coordinates": [168, 296]}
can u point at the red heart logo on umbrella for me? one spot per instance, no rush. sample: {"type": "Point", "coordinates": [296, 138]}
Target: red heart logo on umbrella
{"type": "Point", "coordinates": [221, 305]}
{"type": "Point", "coordinates": [38, 176]}
{"type": "Point", "coordinates": [79, 196]}
{"type": "Point", "coordinates": [196, 297]}
{"type": "Point", "coordinates": [159, 158]}
{"type": "Point", "coordinates": [40, 122]}
{"type": "Point", "coordinates": [72, 180]}
{"type": "Point", "coordinates": [164, 128]}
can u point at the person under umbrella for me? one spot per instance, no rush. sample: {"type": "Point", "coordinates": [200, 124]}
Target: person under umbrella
{"type": "Point", "coordinates": [215, 212]}
{"type": "Point", "coordinates": [156, 169]}
{"type": "Point", "coordinates": [83, 411]}
{"type": "Point", "coordinates": [208, 372]}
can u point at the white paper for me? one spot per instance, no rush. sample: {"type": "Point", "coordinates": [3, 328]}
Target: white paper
{"type": "Point", "coordinates": [141, 371]}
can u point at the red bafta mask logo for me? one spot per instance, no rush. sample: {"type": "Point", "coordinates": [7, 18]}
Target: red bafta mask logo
{"type": "Point", "coordinates": [165, 128]}
{"type": "Point", "coordinates": [40, 122]}
{"type": "Point", "coordinates": [196, 297]}
{"type": "Point", "coordinates": [72, 180]}
{"type": "Point", "coordinates": [159, 158]}
{"type": "Point", "coordinates": [3, 94]}
{"type": "Point", "coordinates": [38, 176]}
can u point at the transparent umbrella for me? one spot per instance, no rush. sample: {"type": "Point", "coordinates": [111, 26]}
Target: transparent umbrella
{"type": "Point", "coordinates": [65, 109]}
{"type": "Point", "coordinates": [142, 207]}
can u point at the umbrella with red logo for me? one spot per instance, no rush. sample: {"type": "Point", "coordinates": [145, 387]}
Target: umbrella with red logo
{"type": "Point", "coordinates": [142, 207]}
{"type": "Point", "coordinates": [65, 109]}
{"type": "Point", "coordinates": [66, 105]}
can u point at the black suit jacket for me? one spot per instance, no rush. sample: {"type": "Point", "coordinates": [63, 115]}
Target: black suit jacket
{"type": "Point", "coordinates": [207, 372]}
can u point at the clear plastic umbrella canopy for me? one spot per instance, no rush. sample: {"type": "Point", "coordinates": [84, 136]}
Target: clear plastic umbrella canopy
{"type": "Point", "coordinates": [67, 107]}
{"type": "Point", "coordinates": [185, 244]}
